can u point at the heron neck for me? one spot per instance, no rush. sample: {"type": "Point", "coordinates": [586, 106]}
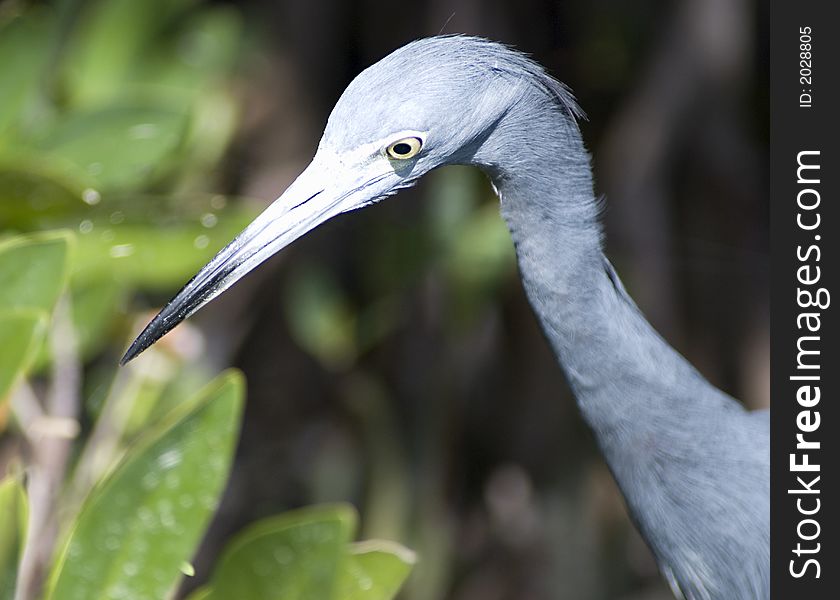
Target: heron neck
{"type": "Point", "coordinates": [620, 370]}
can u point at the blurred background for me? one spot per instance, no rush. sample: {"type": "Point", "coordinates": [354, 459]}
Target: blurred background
{"type": "Point", "coordinates": [391, 357]}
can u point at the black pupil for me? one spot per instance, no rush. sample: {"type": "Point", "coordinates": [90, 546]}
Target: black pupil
{"type": "Point", "coordinates": [402, 148]}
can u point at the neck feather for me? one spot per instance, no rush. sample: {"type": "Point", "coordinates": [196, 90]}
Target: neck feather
{"type": "Point", "coordinates": [623, 374]}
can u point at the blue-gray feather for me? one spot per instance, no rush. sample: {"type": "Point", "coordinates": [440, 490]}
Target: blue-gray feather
{"type": "Point", "coordinates": [692, 464]}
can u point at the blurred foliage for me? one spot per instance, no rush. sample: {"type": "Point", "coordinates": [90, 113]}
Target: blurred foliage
{"type": "Point", "coordinates": [113, 125]}
{"type": "Point", "coordinates": [307, 554]}
{"type": "Point", "coordinates": [144, 520]}
{"type": "Point", "coordinates": [13, 516]}
{"type": "Point", "coordinates": [115, 117]}
{"type": "Point", "coordinates": [33, 272]}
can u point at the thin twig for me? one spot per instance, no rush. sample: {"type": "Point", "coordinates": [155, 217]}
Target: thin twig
{"type": "Point", "coordinates": [26, 408]}
{"type": "Point", "coordinates": [51, 449]}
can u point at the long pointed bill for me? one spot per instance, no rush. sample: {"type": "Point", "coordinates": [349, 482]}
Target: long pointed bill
{"type": "Point", "coordinates": [322, 191]}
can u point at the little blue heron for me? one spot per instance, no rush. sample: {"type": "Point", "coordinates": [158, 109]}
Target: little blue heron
{"type": "Point", "coordinates": [692, 463]}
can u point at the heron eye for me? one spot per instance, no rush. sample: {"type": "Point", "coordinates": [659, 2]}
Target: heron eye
{"type": "Point", "coordinates": [404, 148]}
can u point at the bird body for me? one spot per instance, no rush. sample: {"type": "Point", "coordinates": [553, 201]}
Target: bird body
{"type": "Point", "coordinates": [691, 462]}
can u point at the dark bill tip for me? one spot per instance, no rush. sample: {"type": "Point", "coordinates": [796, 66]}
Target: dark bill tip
{"type": "Point", "coordinates": [155, 330]}
{"type": "Point", "coordinates": [143, 341]}
{"type": "Point", "coordinates": [164, 322]}
{"type": "Point", "coordinates": [192, 296]}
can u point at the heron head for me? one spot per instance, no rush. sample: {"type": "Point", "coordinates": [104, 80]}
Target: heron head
{"type": "Point", "coordinates": [427, 104]}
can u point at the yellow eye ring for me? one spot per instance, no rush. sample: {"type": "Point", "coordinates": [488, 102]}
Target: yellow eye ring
{"type": "Point", "coordinates": [405, 148]}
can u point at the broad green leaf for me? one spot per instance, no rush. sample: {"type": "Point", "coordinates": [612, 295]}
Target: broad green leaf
{"type": "Point", "coordinates": [118, 147]}
{"type": "Point", "coordinates": [35, 194]}
{"type": "Point", "coordinates": [196, 56]}
{"type": "Point", "coordinates": [13, 516]}
{"type": "Point", "coordinates": [24, 52]}
{"type": "Point", "coordinates": [154, 255]}
{"type": "Point", "coordinates": [294, 556]}
{"type": "Point", "coordinates": [21, 331]}
{"type": "Point", "coordinates": [374, 570]}
{"type": "Point", "coordinates": [156, 242]}
{"type": "Point", "coordinates": [146, 518]}
{"type": "Point", "coordinates": [33, 270]}
{"type": "Point", "coordinates": [95, 305]}
{"type": "Point", "coordinates": [158, 391]}
{"type": "Point", "coordinates": [111, 36]}
{"type": "Point", "coordinates": [192, 68]}
{"type": "Point", "coordinates": [213, 124]}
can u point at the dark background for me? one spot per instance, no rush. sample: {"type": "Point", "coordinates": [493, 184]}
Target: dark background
{"type": "Point", "coordinates": [451, 427]}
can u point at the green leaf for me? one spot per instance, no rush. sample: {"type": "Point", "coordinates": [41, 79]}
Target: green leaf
{"type": "Point", "coordinates": [95, 305]}
{"type": "Point", "coordinates": [33, 270]}
{"type": "Point", "coordinates": [202, 51]}
{"type": "Point", "coordinates": [24, 54]}
{"type": "Point", "coordinates": [14, 511]}
{"type": "Point", "coordinates": [158, 250]}
{"type": "Point", "coordinates": [374, 570]}
{"type": "Point", "coordinates": [21, 332]}
{"type": "Point", "coordinates": [213, 125]}
{"type": "Point", "coordinates": [120, 147]}
{"type": "Point", "coordinates": [112, 35]}
{"type": "Point", "coordinates": [151, 241]}
{"type": "Point", "coordinates": [38, 194]}
{"type": "Point", "coordinates": [191, 68]}
{"type": "Point", "coordinates": [146, 518]}
{"type": "Point", "coordinates": [294, 556]}
{"type": "Point", "coordinates": [157, 393]}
